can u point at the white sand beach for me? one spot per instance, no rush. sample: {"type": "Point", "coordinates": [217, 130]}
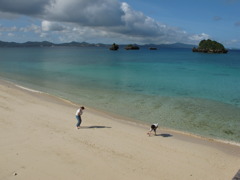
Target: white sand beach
{"type": "Point", "coordinates": [39, 141]}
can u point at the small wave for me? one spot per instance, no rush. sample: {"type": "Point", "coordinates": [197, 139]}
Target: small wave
{"type": "Point", "coordinates": [28, 89]}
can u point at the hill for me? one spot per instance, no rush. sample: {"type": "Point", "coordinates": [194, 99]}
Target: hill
{"type": "Point", "coordinates": [47, 44]}
{"type": "Point", "coordinates": [209, 46]}
{"type": "Point", "coordinates": [85, 44]}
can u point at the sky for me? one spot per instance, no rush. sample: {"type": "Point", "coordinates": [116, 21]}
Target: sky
{"type": "Point", "coordinates": [121, 22]}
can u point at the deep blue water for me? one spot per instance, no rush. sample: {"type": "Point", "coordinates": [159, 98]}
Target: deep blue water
{"type": "Point", "coordinates": [192, 92]}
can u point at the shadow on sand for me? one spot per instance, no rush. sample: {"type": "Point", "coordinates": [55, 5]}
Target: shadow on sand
{"type": "Point", "coordinates": [93, 127]}
{"type": "Point", "coordinates": [164, 135]}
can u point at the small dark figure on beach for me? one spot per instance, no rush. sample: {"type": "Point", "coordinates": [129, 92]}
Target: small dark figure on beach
{"type": "Point", "coordinates": [78, 116]}
{"type": "Point", "coordinates": [153, 128]}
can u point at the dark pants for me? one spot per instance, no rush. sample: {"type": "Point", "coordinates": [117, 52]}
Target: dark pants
{"type": "Point", "coordinates": [79, 120]}
{"type": "Point", "coordinates": [153, 128]}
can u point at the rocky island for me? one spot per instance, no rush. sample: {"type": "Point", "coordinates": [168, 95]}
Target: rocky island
{"type": "Point", "coordinates": [209, 46]}
{"type": "Point", "coordinates": [114, 47]}
{"type": "Point", "coordinates": [132, 47]}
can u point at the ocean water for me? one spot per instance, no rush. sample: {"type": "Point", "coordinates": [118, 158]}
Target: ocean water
{"type": "Point", "coordinates": [191, 92]}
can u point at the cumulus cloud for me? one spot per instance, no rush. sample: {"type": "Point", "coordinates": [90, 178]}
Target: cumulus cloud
{"type": "Point", "coordinates": [136, 23]}
{"type": "Point", "coordinates": [199, 37]}
{"type": "Point", "coordinates": [96, 18]}
{"type": "Point", "coordinates": [52, 26]}
{"type": "Point", "coordinates": [86, 12]}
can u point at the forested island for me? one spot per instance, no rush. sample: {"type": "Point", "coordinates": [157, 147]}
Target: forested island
{"type": "Point", "coordinates": [132, 47]}
{"type": "Point", "coordinates": [209, 46]}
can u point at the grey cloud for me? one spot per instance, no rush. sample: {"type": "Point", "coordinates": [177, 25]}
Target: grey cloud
{"type": "Point", "coordinates": [25, 7]}
{"type": "Point", "coordinates": [5, 15]}
{"type": "Point", "coordinates": [86, 12]}
{"type": "Point", "coordinates": [83, 12]}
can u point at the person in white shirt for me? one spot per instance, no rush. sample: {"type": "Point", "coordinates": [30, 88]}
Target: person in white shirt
{"type": "Point", "coordinates": [153, 128]}
{"type": "Point", "coordinates": [78, 116]}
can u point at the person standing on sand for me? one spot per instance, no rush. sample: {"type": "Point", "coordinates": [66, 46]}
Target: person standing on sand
{"type": "Point", "coordinates": [78, 116]}
{"type": "Point", "coordinates": [153, 128]}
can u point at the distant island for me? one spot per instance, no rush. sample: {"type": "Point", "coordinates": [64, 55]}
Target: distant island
{"type": "Point", "coordinates": [132, 47]}
{"type": "Point", "coordinates": [209, 46]}
{"type": "Point", "coordinates": [114, 47]}
{"type": "Point", "coordinates": [85, 44]}
{"type": "Point", "coordinates": [49, 44]}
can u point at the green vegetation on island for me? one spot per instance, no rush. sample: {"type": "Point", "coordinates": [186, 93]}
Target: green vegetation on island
{"type": "Point", "coordinates": [209, 46]}
{"type": "Point", "coordinates": [132, 47]}
{"type": "Point", "coordinates": [114, 47]}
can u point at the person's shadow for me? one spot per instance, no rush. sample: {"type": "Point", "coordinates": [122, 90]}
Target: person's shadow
{"type": "Point", "coordinates": [93, 127]}
{"type": "Point", "coordinates": [164, 135]}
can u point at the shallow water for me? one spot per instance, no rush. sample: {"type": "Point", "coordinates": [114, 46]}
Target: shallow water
{"type": "Point", "coordinates": [192, 92]}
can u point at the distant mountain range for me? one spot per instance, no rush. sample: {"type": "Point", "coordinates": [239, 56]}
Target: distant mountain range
{"type": "Point", "coordinates": [46, 44]}
{"type": "Point", "coordinates": [85, 44]}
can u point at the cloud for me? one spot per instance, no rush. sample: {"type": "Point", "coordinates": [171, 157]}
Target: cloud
{"type": "Point", "coordinates": [26, 7]}
{"type": "Point", "coordinates": [86, 12]}
{"type": "Point", "coordinates": [10, 34]}
{"type": "Point", "coordinates": [237, 24]}
{"type": "Point", "coordinates": [137, 24]}
{"type": "Point", "coordinates": [217, 18]}
{"type": "Point", "coordinates": [31, 28]}
{"type": "Point", "coordinates": [5, 15]}
{"type": "Point", "coordinates": [8, 29]}
{"type": "Point", "coordinates": [199, 37]}
{"type": "Point", "coordinates": [233, 43]}
{"type": "Point", "coordinates": [95, 19]}
{"type": "Point", "coordinates": [52, 26]}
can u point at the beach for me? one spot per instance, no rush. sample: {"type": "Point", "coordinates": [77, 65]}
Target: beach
{"type": "Point", "coordinates": [39, 140]}
{"type": "Point", "coordinates": [181, 90]}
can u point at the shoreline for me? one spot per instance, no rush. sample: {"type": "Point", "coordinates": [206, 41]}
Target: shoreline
{"type": "Point", "coordinates": [130, 120]}
{"type": "Point", "coordinates": [122, 118]}
{"type": "Point", "coordinates": [40, 141]}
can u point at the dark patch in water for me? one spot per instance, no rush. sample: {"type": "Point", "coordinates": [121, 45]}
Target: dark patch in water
{"type": "Point", "coordinates": [182, 93]}
{"type": "Point", "coordinates": [228, 132]}
{"type": "Point", "coordinates": [236, 101]}
{"type": "Point", "coordinates": [161, 89]}
{"type": "Point", "coordinates": [182, 68]}
{"type": "Point", "coordinates": [220, 74]}
{"type": "Point", "coordinates": [138, 90]}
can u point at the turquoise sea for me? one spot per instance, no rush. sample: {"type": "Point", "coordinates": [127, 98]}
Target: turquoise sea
{"type": "Point", "coordinates": [191, 92]}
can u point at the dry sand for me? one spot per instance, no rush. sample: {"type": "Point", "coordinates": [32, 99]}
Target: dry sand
{"type": "Point", "coordinates": [39, 141]}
